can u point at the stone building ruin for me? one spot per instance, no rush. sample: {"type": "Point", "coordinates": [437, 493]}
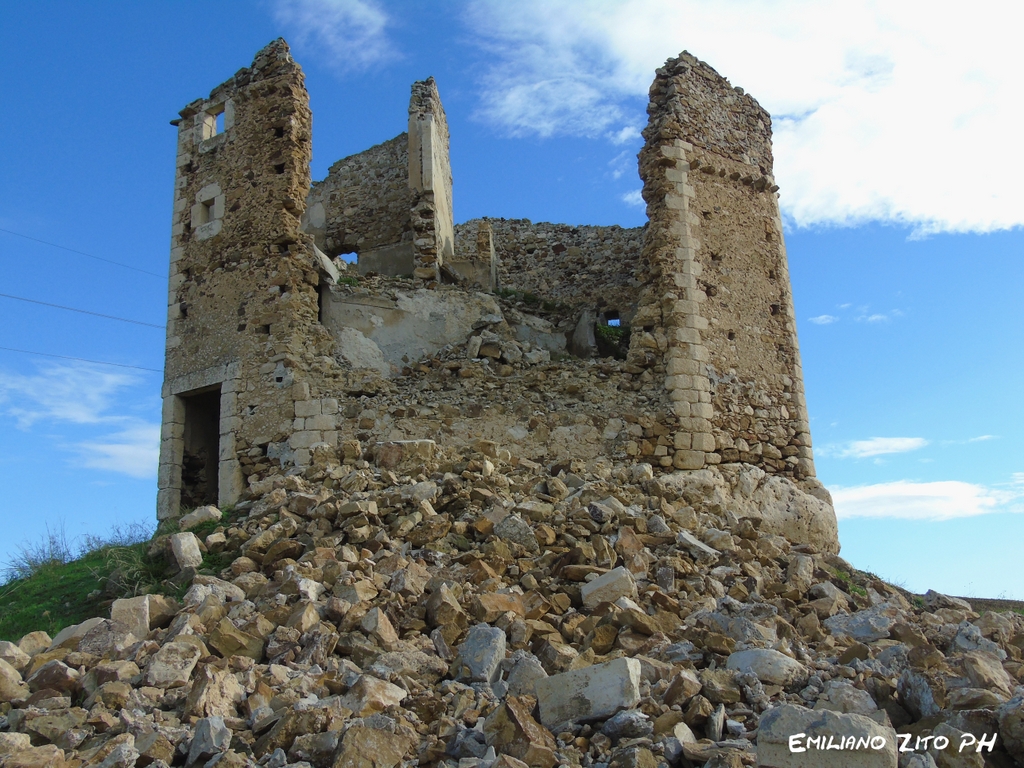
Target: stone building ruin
{"type": "Point", "coordinates": [483, 336]}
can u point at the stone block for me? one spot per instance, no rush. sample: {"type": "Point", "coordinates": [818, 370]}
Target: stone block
{"type": "Point", "coordinates": [307, 408]}
{"type": "Point", "coordinates": [133, 612]}
{"type": "Point", "coordinates": [608, 588]}
{"type": "Point", "coordinates": [688, 459]}
{"type": "Point", "coordinates": [784, 731]}
{"type": "Point", "coordinates": [186, 551]}
{"type": "Point", "coordinates": [769, 666]}
{"type": "Point", "coordinates": [481, 654]}
{"type": "Point", "coordinates": [592, 693]}
{"type": "Point", "coordinates": [511, 730]}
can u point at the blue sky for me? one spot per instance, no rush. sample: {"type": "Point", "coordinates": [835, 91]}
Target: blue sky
{"type": "Point", "coordinates": [894, 153]}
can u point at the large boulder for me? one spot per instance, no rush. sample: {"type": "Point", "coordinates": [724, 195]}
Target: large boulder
{"type": "Point", "coordinates": [795, 737]}
{"type": "Point", "coordinates": [801, 512]}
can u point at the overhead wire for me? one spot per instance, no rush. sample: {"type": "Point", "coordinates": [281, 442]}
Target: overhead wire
{"type": "Point", "coordinates": [82, 311]}
{"type": "Point", "coordinates": [81, 253]}
{"type": "Point", "coordinates": [80, 359]}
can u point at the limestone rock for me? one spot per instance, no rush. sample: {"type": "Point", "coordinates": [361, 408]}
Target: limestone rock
{"type": "Point", "coordinates": [779, 724]}
{"type": "Point", "coordinates": [1011, 726]}
{"type": "Point", "coordinates": [13, 655]}
{"type": "Point", "coordinates": [608, 587]}
{"type": "Point", "coordinates": [363, 747]}
{"type": "Point", "coordinates": [480, 654]}
{"type": "Point", "coordinates": [12, 687]}
{"type": "Point", "coordinates": [841, 696]}
{"type": "Point", "coordinates": [370, 695]}
{"type": "Point", "coordinates": [590, 693]}
{"type": "Point", "coordinates": [212, 737]}
{"type": "Point", "coordinates": [865, 626]}
{"type": "Point", "coordinates": [511, 730]}
{"type": "Point", "coordinates": [770, 666]}
{"type": "Point", "coordinates": [186, 551]}
{"type": "Point", "coordinates": [172, 665]}
{"type": "Point", "coordinates": [198, 516]}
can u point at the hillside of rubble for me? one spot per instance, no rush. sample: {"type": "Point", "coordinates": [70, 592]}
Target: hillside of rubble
{"type": "Point", "coordinates": [401, 604]}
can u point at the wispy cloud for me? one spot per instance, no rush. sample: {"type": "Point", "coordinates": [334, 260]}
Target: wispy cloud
{"type": "Point", "coordinates": [80, 394]}
{"type": "Point", "coordinates": [134, 451]}
{"type": "Point", "coordinates": [940, 500]}
{"type": "Point", "coordinates": [981, 438]}
{"type": "Point", "coordinates": [853, 90]}
{"type": "Point", "coordinates": [351, 33]}
{"type": "Point", "coordinates": [633, 197]}
{"type": "Point", "coordinates": [824, 319]}
{"type": "Point", "coordinates": [89, 397]}
{"type": "Point", "coordinates": [875, 446]}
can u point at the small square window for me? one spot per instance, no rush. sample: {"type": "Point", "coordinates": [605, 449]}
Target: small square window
{"type": "Point", "coordinates": [206, 212]}
{"type": "Point", "coordinates": [213, 122]}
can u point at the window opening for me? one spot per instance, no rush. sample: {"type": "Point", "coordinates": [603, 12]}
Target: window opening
{"type": "Point", "coordinates": [206, 212]}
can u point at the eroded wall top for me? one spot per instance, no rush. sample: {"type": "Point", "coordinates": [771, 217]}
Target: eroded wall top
{"type": "Point", "coordinates": [364, 202]}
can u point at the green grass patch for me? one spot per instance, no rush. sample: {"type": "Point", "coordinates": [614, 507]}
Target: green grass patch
{"type": "Point", "coordinates": [55, 596]}
{"type": "Point", "coordinates": [51, 584]}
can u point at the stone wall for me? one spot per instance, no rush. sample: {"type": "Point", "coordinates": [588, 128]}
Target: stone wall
{"type": "Point", "coordinates": [716, 310]}
{"type": "Point", "coordinates": [243, 300]}
{"type": "Point", "coordinates": [364, 201]}
{"type": "Point", "coordinates": [269, 356]}
{"type": "Point", "coordinates": [581, 265]}
{"type": "Point", "coordinates": [430, 177]}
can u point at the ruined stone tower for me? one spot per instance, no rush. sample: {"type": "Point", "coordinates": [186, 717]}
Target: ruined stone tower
{"type": "Point", "coordinates": [716, 311]}
{"type": "Point", "coordinates": [242, 331]}
{"type": "Point", "coordinates": [282, 354]}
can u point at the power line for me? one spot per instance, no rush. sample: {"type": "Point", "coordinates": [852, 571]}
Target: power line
{"type": "Point", "coordinates": [80, 359]}
{"type": "Point", "coordinates": [80, 253]}
{"type": "Point", "coordinates": [82, 311]}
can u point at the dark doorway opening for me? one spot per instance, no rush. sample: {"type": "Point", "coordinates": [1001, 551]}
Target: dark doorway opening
{"type": "Point", "coordinates": [201, 456]}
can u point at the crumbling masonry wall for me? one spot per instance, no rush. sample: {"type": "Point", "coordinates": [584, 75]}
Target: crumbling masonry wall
{"type": "Point", "coordinates": [273, 361]}
{"type": "Point", "coordinates": [716, 309]}
{"type": "Point", "coordinates": [242, 301]}
{"type": "Point", "coordinates": [565, 264]}
{"type": "Point", "coordinates": [430, 176]}
{"type": "Point", "coordinates": [364, 203]}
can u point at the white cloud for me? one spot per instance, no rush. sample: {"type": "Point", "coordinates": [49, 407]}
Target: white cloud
{"type": "Point", "coordinates": [981, 438]}
{"type": "Point", "coordinates": [874, 104]}
{"type": "Point", "coordinates": [625, 135]}
{"type": "Point", "coordinates": [824, 319]}
{"type": "Point", "coordinates": [77, 393]}
{"type": "Point", "coordinates": [941, 500]}
{"type": "Point", "coordinates": [350, 32]}
{"type": "Point", "coordinates": [875, 446]}
{"type": "Point", "coordinates": [633, 198]}
{"type": "Point", "coordinates": [134, 451]}
{"type": "Point", "coordinates": [86, 396]}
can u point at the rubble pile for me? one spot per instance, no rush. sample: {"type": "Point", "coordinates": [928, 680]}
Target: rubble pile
{"type": "Point", "coordinates": [399, 603]}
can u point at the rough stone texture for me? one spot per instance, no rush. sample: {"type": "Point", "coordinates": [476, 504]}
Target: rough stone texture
{"type": "Point", "coordinates": [780, 723]}
{"type": "Point", "coordinates": [591, 693]}
{"type": "Point", "coordinates": [481, 653]}
{"type": "Point", "coordinates": [185, 547]}
{"type": "Point", "coordinates": [609, 587]}
{"type": "Point", "coordinates": [769, 666]}
{"type": "Point", "coordinates": [270, 343]}
{"type": "Point", "coordinates": [430, 177]}
{"type": "Point", "coordinates": [572, 265]}
{"type": "Point", "coordinates": [364, 202]}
